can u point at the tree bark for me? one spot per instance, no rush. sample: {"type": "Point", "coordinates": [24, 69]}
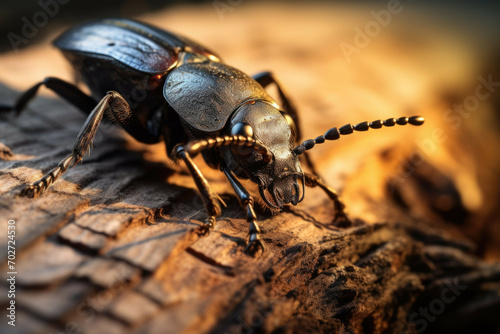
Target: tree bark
{"type": "Point", "coordinates": [113, 246]}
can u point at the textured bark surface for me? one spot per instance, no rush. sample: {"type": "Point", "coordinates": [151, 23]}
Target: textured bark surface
{"type": "Point", "coordinates": [113, 247]}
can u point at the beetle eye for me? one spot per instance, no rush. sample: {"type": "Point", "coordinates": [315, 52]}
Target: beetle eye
{"type": "Point", "coordinates": [242, 129]}
{"type": "Point", "coordinates": [290, 122]}
{"type": "Point", "coordinates": [245, 130]}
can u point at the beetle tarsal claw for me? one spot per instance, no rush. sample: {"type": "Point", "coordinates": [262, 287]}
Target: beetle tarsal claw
{"type": "Point", "coordinates": [30, 191]}
{"type": "Point", "coordinates": [35, 189]}
{"type": "Point", "coordinates": [254, 245]}
{"type": "Point", "coordinates": [340, 212]}
{"type": "Point", "coordinates": [204, 230]}
{"type": "Point", "coordinates": [207, 226]}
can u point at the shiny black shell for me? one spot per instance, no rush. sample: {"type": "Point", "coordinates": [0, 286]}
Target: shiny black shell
{"type": "Point", "coordinates": [152, 68]}
{"type": "Point", "coordinates": [135, 44]}
{"type": "Point", "coordinates": [206, 94]}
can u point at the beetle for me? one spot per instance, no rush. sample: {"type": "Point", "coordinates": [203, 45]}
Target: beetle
{"type": "Point", "coordinates": [196, 104]}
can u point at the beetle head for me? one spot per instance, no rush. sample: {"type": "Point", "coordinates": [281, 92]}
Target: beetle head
{"type": "Point", "coordinates": [280, 181]}
{"type": "Point", "coordinates": [258, 144]}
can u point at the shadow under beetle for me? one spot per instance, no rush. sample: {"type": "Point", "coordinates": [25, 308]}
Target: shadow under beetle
{"type": "Point", "coordinates": [196, 104]}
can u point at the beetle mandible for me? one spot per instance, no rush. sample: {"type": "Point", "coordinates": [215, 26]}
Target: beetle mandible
{"type": "Point", "coordinates": [196, 104]}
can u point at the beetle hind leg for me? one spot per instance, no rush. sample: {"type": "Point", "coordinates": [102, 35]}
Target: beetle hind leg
{"type": "Point", "coordinates": [81, 146]}
{"type": "Point", "coordinates": [41, 185]}
{"type": "Point", "coordinates": [66, 90]}
{"type": "Point", "coordinates": [116, 108]}
{"type": "Point", "coordinates": [4, 108]}
{"type": "Point", "coordinates": [340, 210]}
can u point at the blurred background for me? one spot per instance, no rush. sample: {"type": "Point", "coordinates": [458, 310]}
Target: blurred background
{"type": "Point", "coordinates": [342, 62]}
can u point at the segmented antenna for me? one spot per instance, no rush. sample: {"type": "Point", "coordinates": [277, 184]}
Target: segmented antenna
{"type": "Point", "coordinates": [196, 146]}
{"type": "Point", "coordinates": [334, 133]}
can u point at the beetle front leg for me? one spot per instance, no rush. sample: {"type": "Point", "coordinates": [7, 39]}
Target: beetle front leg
{"type": "Point", "coordinates": [246, 201]}
{"type": "Point", "coordinates": [210, 199]}
{"type": "Point", "coordinates": [315, 181]}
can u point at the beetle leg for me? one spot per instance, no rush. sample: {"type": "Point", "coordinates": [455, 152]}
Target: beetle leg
{"type": "Point", "coordinates": [116, 108]}
{"type": "Point", "coordinates": [41, 185]}
{"type": "Point", "coordinates": [66, 90]}
{"type": "Point", "coordinates": [267, 78]}
{"type": "Point", "coordinates": [246, 201]}
{"type": "Point", "coordinates": [210, 199]}
{"type": "Point", "coordinates": [120, 112]}
{"type": "Point", "coordinates": [315, 181]}
{"type": "Point", "coordinates": [81, 146]}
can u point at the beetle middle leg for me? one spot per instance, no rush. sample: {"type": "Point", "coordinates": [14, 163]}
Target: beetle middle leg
{"type": "Point", "coordinates": [315, 181]}
{"type": "Point", "coordinates": [246, 201]}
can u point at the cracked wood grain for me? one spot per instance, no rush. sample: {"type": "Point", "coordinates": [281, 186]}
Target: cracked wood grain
{"type": "Point", "coordinates": [112, 247]}
{"type": "Point", "coordinates": [122, 250]}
